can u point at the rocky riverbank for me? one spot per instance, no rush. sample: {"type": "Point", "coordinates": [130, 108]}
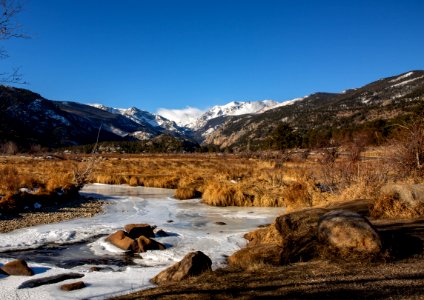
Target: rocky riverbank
{"type": "Point", "coordinates": [315, 265]}
{"type": "Point", "coordinates": [80, 207]}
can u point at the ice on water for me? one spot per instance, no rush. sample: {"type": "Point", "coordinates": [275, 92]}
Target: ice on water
{"type": "Point", "coordinates": [193, 227]}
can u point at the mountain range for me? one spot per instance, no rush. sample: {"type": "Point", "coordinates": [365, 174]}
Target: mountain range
{"type": "Point", "coordinates": [27, 118]}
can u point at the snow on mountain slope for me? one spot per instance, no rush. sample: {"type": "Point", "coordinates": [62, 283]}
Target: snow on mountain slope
{"type": "Point", "coordinates": [142, 117]}
{"type": "Point", "coordinates": [234, 108]}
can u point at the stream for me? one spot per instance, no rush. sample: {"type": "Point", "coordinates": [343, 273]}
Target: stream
{"type": "Point", "coordinates": [79, 245]}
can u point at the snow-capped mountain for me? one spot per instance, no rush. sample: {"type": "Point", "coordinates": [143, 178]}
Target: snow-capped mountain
{"type": "Point", "coordinates": [29, 119]}
{"type": "Point", "coordinates": [142, 117]}
{"type": "Point", "coordinates": [234, 108]}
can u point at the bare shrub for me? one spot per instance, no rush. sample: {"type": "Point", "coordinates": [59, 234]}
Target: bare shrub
{"type": "Point", "coordinates": [409, 149]}
{"type": "Point", "coordinates": [9, 148]}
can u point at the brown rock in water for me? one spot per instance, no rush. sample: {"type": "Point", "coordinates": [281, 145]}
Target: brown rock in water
{"type": "Point", "coordinates": [193, 264]}
{"type": "Point", "coordinates": [145, 244]}
{"type": "Point", "coordinates": [122, 241]}
{"type": "Point", "coordinates": [260, 254]}
{"type": "Point", "coordinates": [348, 233]}
{"type": "Point", "coordinates": [73, 286]}
{"type": "Point", "coordinates": [137, 230]}
{"type": "Point", "coordinates": [17, 267]}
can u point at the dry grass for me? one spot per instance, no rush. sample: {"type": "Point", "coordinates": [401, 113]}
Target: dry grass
{"type": "Point", "coordinates": [321, 178]}
{"type": "Point", "coordinates": [389, 206]}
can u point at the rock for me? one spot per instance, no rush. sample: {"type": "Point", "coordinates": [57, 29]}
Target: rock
{"type": "Point", "coordinates": [3, 272]}
{"type": "Point", "coordinates": [410, 194]}
{"type": "Point", "coordinates": [220, 223]}
{"type": "Point", "coordinates": [291, 238]}
{"type": "Point", "coordinates": [193, 264]}
{"type": "Point", "coordinates": [17, 267]}
{"type": "Point", "coordinates": [260, 254]}
{"type": "Point", "coordinates": [348, 233]}
{"type": "Point", "coordinates": [137, 230]}
{"type": "Point", "coordinates": [145, 244]}
{"type": "Point", "coordinates": [298, 231]}
{"type": "Point", "coordinates": [73, 286]}
{"type": "Point", "coordinates": [49, 280]}
{"type": "Point", "coordinates": [100, 269]}
{"type": "Point", "coordinates": [161, 233]}
{"type": "Point", "coordinates": [122, 241]}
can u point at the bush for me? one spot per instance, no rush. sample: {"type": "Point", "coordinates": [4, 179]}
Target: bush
{"type": "Point", "coordinates": [409, 149]}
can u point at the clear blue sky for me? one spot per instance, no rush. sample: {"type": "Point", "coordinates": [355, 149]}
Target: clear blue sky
{"type": "Point", "coordinates": [199, 53]}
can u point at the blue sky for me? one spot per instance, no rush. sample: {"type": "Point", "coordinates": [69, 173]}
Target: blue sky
{"type": "Point", "coordinates": [198, 53]}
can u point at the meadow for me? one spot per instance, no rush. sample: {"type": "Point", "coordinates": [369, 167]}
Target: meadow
{"type": "Point", "coordinates": [292, 179]}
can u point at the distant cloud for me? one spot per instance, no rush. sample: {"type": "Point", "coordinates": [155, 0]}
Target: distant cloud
{"type": "Point", "coordinates": [182, 116]}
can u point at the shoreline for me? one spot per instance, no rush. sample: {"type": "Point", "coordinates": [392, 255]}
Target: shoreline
{"type": "Point", "coordinates": [80, 207]}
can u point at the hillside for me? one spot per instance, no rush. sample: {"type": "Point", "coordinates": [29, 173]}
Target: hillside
{"type": "Point", "coordinates": [315, 120]}
{"type": "Point", "coordinates": [326, 116]}
{"type": "Point", "coordinates": [29, 119]}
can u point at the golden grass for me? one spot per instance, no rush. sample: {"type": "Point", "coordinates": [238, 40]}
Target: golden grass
{"type": "Point", "coordinates": [221, 180]}
{"type": "Point", "coordinates": [183, 193]}
{"type": "Point", "coordinates": [388, 206]}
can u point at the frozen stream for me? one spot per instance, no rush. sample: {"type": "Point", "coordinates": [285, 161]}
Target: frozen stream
{"type": "Point", "coordinates": [77, 245]}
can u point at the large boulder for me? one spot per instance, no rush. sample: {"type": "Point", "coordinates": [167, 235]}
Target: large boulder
{"type": "Point", "coordinates": [121, 240]}
{"type": "Point", "coordinates": [17, 267]}
{"type": "Point", "coordinates": [145, 244]}
{"type": "Point", "coordinates": [298, 231]}
{"type": "Point", "coordinates": [291, 238]}
{"type": "Point", "coordinates": [136, 230]}
{"type": "Point", "coordinates": [348, 234]}
{"type": "Point", "coordinates": [193, 264]}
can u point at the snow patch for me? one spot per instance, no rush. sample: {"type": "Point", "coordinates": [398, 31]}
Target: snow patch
{"type": "Point", "coordinates": [183, 117]}
{"type": "Point", "coordinates": [402, 77]}
{"type": "Point", "coordinates": [406, 81]}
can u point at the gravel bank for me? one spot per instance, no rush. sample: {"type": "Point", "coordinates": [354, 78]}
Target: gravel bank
{"type": "Point", "coordinates": [83, 207]}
